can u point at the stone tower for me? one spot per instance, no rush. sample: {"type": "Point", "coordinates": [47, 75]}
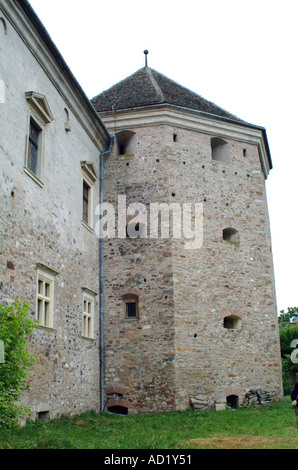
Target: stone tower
{"type": "Point", "coordinates": [186, 321]}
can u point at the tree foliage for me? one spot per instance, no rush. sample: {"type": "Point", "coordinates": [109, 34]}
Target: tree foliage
{"type": "Point", "coordinates": [288, 333]}
{"type": "Point", "coordinates": [288, 317]}
{"type": "Point", "coordinates": [16, 327]}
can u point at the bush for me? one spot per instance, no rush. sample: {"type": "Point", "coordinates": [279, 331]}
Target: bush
{"type": "Point", "coordinates": [15, 328]}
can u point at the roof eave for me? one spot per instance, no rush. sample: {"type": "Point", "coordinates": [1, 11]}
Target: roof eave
{"type": "Point", "coordinates": [46, 38]}
{"type": "Point", "coordinates": [264, 147]}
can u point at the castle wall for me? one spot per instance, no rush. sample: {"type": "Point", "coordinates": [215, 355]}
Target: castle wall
{"type": "Point", "coordinates": [40, 224]}
{"type": "Point", "coordinates": [224, 278]}
{"type": "Point", "coordinates": [139, 352]}
{"type": "Point", "coordinates": [219, 279]}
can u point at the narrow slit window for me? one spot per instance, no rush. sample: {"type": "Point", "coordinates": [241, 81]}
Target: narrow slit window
{"type": "Point", "coordinates": [131, 309]}
{"type": "Point", "coordinates": [34, 145]}
{"type": "Point", "coordinates": [45, 298]}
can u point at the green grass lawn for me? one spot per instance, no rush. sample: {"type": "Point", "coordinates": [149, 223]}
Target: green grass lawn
{"type": "Point", "coordinates": [269, 427]}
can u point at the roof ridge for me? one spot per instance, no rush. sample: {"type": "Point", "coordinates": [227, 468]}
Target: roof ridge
{"type": "Point", "coordinates": [155, 84]}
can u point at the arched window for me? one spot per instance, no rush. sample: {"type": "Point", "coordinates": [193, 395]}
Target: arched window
{"type": "Point", "coordinates": [232, 322]}
{"type": "Point", "coordinates": [231, 235]}
{"type": "Point", "coordinates": [220, 150]}
{"type": "Point", "coordinates": [125, 142]}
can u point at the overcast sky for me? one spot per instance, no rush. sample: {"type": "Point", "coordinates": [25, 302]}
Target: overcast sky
{"type": "Point", "coordinates": [240, 54]}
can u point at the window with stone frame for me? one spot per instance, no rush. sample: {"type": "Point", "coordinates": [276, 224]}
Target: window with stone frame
{"type": "Point", "coordinates": [39, 116]}
{"type": "Point", "coordinates": [89, 177]}
{"type": "Point", "coordinates": [45, 296]}
{"type": "Point", "coordinates": [34, 148]}
{"type": "Point", "coordinates": [131, 306]}
{"type": "Point", "coordinates": [220, 150]}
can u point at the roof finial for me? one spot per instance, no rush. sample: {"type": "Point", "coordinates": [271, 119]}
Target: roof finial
{"type": "Point", "coordinates": [146, 53]}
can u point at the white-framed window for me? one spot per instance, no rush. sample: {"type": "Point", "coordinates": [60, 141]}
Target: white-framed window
{"type": "Point", "coordinates": [39, 116]}
{"type": "Point", "coordinates": [89, 177]}
{"type": "Point", "coordinates": [45, 296]}
{"type": "Point", "coordinates": [88, 315]}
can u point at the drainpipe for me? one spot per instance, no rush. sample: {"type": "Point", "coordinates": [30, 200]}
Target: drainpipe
{"type": "Point", "coordinates": [101, 263]}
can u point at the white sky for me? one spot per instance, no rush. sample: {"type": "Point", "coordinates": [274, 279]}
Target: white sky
{"type": "Point", "coordinates": [240, 54]}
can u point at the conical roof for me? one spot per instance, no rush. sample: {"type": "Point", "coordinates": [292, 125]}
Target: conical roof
{"type": "Point", "coordinates": [147, 87]}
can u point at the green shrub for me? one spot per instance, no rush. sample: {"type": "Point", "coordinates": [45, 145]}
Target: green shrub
{"type": "Point", "coordinates": [15, 329]}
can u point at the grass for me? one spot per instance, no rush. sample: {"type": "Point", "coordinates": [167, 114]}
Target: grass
{"type": "Point", "coordinates": [270, 427]}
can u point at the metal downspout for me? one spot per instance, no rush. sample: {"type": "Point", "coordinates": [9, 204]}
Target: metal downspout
{"type": "Point", "coordinates": [101, 263]}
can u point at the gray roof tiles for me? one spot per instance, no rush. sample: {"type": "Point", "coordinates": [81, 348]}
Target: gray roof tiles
{"type": "Point", "coordinates": [147, 87]}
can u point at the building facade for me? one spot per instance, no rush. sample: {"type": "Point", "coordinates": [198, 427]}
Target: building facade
{"type": "Point", "coordinates": [204, 329]}
{"type": "Point", "coordinates": [189, 315]}
{"type": "Point", "coordinates": [51, 141]}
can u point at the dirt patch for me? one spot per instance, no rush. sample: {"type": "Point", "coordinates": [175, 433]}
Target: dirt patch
{"type": "Point", "coordinates": [240, 442]}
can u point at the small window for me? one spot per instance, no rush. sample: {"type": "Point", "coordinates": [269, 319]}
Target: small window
{"type": "Point", "coordinates": [232, 322]}
{"type": "Point", "coordinates": [119, 410]}
{"type": "Point", "coordinates": [88, 316]}
{"type": "Point", "coordinates": [89, 177]}
{"type": "Point", "coordinates": [136, 230]}
{"type": "Point", "coordinates": [131, 306]}
{"type": "Point", "coordinates": [86, 202]}
{"type": "Point", "coordinates": [175, 138]}
{"type": "Point", "coordinates": [231, 235]}
{"type": "Point", "coordinates": [233, 401]}
{"type": "Point", "coordinates": [34, 148]}
{"type": "Point", "coordinates": [39, 116]}
{"type": "Point", "coordinates": [220, 150]}
{"type": "Point", "coordinates": [45, 297]}
{"type": "Point", "coordinates": [44, 416]}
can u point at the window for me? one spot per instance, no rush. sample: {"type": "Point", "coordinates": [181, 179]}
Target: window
{"type": "Point", "coordinates": [233, 401]}
{"type": "Point", "coordinates": [89, 177]}
{"type": "Point", "coordinates": [39, 116]}
{"type": "Point", "coordinates": [125, 142]}
{"type": "Point", "coordinates": [45, 296]}
{"type": "Point", "coordinates": [231, 235]}
{"type": "Point", "coordinates": [88, 315]}
{"type": "Point", "coordinates": [131, 306]}
{"type": "Point", "coordinates": [220, 150]}
{"type": "Point", "coordinates": [86, 201]}
{"type": "Point", "coordinates": [34, 148]}
{"type": "Point", "coordinates": [232, 322]}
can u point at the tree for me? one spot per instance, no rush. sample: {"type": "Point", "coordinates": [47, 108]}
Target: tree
{"type": "Point", "coordinates": [288, 333]}
{"type": "Point", "coordinates": [289, 317]}
{"type": "Point", "coordinates": [16, 327]}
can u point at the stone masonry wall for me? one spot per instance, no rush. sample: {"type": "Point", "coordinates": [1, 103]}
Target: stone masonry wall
{"type": "Point", "coordinates": [202, 286]}
{"type": "Point", "coordinates": [43, 225]}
